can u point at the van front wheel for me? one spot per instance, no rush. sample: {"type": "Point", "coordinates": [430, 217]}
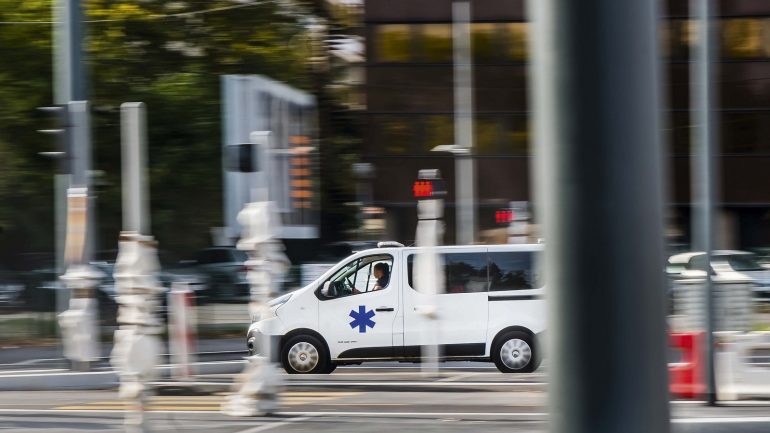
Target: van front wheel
{"type": "Point", "coordinates": [304, 354]}
{"type": "Point", "coordinates": [515, 352]}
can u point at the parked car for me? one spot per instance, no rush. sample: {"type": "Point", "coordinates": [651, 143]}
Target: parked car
{"type": "Point", "coordinates": [727, 264]}
{"type": "Point", "coordinates": [223, 270]}
{"type": "Point", "coordinates": [11, 289]}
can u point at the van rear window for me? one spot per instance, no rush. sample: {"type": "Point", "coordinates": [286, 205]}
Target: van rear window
{"type": "Point", "coordinates": [463, 272]}
{"type": "Point", "coordinates": [514, 271]}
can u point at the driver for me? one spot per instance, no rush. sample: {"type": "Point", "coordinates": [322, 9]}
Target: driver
{"type": "Point", "coordinates": [382, 273]}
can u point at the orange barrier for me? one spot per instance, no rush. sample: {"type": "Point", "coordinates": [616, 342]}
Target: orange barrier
{"type": "Point", "coordinates": [686, 376]}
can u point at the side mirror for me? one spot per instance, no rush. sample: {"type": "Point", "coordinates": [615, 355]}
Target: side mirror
{"type": "Point", "coordinates": [325, 289]}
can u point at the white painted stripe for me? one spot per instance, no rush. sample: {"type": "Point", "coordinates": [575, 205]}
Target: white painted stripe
{"type": "Point", "coordinates": [722, 420]}
{"type": "Point", "coordinates": [265, 427]}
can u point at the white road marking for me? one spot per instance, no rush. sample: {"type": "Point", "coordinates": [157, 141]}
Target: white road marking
{"type": "Point", "coordinates": [722, 420]}
{"type": "Point", "coordinates": [265, 427]}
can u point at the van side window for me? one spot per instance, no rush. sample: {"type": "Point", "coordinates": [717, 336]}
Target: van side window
{"type": "Point", "coordinates": [358, 277]}
{"type": "Point", "coordinates": [463, 272]}
{"type": "Point", "coordinates": [514, 271]}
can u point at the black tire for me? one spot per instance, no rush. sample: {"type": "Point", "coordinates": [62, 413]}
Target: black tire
{"type": "Point", "coordinates": [304, 344]}
{"type": "Point", "coordinates": [330, 368]}
{"type": "Point", "coordinates": [517, 351]}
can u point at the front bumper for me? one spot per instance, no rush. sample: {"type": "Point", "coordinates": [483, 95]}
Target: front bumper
{"type": "Point", "coordinates": [257, 344]}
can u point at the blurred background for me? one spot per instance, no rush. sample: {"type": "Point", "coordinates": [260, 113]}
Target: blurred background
{"type": "Point", "coordinates": [365, 91]}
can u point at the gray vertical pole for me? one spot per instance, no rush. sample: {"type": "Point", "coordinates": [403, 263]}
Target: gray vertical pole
{"type": "Point", "coordinates": [69, 82]}
{"type": "Point", "coordinates": [69, 85]}
{"type": "Point", "coordinates": [465, 177]}
{"type": "Point", "coordinates": [133, 126]}
{"type": "Point", "coordinates": [704, 174]}
{"type": "Point", "coordinates": [598, 173]}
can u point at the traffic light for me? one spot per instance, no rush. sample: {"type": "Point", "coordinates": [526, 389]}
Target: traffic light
{"type": "Point", "coordinates": [429, 185]}
{"type": "Point", "coordinates": [60, 120]}
{"type": "Point", "coordinates": [504, 216]}
{"type": "Point", "coordinates": [240, 157]}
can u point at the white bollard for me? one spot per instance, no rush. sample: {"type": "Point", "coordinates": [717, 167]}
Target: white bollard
{"type": "Point", "coordinates": [181, 331]}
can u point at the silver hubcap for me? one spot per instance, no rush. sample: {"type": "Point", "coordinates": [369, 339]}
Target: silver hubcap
{"type": "Point", "coordinates": [516, 354]}
{"type": "Point", "coordinates": [303, 357]}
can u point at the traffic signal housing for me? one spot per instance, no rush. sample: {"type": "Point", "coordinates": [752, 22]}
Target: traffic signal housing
{"type": "Point", "coordinates": [59, 119]}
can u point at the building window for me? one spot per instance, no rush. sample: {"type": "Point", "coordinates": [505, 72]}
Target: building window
{"type": "Point", "coordinates": [677, 37]}
{"type": "Point", "coordinates": [392, 43]}
{"type": "Point", "coordinates": [392, 134]}
{"type": "Point", "coordinates": [745, 133]}
{"type": "Point", "coordinates": [485, 43]}
{"type": "Point", "coordinates": [745, 38]}
{"type": "Point", "coordinates": [486, 131]}
{"type": "Point", "coordinates": [435, 42]}
{"type": "Point", "coordinates": [439, 129]}
{"type": "Point", "coordinates": [515, 38]}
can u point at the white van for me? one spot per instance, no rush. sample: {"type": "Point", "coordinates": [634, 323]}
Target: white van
{"type": "Point", "coordinates": [491, 310]}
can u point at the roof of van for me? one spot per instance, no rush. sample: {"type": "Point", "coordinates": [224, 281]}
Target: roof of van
{"type": "Point", "coordinates": [498, 247]}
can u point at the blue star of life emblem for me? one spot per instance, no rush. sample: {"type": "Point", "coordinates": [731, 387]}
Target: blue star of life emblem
{"type": "Point", "coordinates": [362, 318]}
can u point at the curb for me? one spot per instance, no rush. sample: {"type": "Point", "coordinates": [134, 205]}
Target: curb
{"type": "Point", "coordinates": [94, 380]}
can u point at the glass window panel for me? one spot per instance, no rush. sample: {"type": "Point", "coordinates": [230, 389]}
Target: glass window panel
{"type": "Point", "coordinates": [392, 43]}
{"type": "Point", "coordinates": [515, 135]}
{"type": "Point", "coordinates": [436, 42]}
{"type": "Point", "coordinates": [393, 134]}
{"type": "Point", "coordinates": [515, 39]}
{"type": "Point", "coordinates": [678, 36]}
{"type": "Point", "coordinates": [742, 38]}
{"type": "Point", "coordinates": [484, 42]}
{"type": "Point", "coordinates": [465, 272]}
{"type": "Point", "coordinates": [439, 129]}
{"type": "Point", "coordinates": [513, 271]}
{"type": "Point", "coordinates": [745, 133]}
{"type": "Point", "coordinates": [487, 136]}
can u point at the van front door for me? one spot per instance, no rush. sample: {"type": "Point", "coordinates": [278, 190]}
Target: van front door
{"type": "Point", "coordinates": [358, 307]}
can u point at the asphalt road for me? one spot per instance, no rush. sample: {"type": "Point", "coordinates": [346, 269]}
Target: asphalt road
{"type": "Point", "coordinates": [467, 397]}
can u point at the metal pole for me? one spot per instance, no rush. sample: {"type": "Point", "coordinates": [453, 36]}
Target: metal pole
{"type": "Point", "coordinates": [704, 173]}
{"type": "Point", "coordinates": [69, 82]}
{"type": "Point", "coordinates": [136, 217]}
{"type": "Point", "coordinates": [599, 179]}
{"type": "Point", "coordinates": [465, 177]}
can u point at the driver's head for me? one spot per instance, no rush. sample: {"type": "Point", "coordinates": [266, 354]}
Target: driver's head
{"type": "Point", "coordinates": [380, 270]}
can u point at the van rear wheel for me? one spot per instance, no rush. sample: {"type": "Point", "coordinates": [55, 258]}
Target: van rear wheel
{"type": "Point", "coordinates": [305, 354]}
{"type": "Point", "coordinates": [515, 352]}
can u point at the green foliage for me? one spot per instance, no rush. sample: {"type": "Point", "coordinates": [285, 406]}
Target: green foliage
{"type": "Point", "coordinates": [145, 51]}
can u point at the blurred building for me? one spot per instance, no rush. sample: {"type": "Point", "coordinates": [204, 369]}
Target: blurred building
{"type": "Point", "coordinates": [288, 170]}
{"type": "Point", "coordinates": [409, 109]}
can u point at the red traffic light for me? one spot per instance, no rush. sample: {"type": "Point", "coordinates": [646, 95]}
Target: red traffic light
{"type": "Point", "coordinates": [422, 189]}
{"type": "Point", "coordinates": [504, 216]}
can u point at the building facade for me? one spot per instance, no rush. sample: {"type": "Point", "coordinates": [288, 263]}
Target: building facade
{"type": "Point", "coordinates": [410, 106]}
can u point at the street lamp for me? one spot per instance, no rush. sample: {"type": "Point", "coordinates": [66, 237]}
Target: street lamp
{"type": "Point", "coordinates": [465, 221]}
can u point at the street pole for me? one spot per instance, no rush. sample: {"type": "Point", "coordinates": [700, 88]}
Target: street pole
{"type": "Point", "coordinates": [137, 346]}
{"type": "Point", "coordinates": [703, 161]}
{"type": "Point", "coordinates": [69, 85]}
{"type": "Point", "coordinates": [430, 192]}
{"type": "Point", "coordinates": [465, 176]}
{"type": "Point", "coordinates": [598, 177]}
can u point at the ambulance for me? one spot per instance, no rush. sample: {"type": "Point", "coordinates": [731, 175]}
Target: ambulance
{"type": "Point", "coordinates": [367, 308]}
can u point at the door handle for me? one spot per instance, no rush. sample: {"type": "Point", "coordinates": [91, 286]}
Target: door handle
{"type": "Point", "coordinates": [384, 309]}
